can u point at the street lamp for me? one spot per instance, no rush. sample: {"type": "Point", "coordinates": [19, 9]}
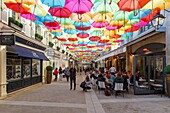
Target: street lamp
{"type": "Point", "coordinates": [158, 21]}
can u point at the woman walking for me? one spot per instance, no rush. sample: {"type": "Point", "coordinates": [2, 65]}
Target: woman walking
{"type": "Point", "coordinates": [67, 73]}
{"type": "Point", "coordinates": [60, 73]}
{"type": "Point", "coordinates": [56, 74]}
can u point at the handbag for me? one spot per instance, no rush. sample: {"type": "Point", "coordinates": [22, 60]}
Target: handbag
{"type": "Point", "coordinates": [83, 84]}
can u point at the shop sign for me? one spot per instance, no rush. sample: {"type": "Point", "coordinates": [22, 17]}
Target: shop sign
{"type": "Point", "coordinates": [7, 40]}
{"type": "Point", "coordinates": [50, 52]}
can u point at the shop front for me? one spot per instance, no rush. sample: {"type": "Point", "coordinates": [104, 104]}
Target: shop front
{"type": "Point", "coordinates": [24, 64]}
{"type": "Point", "coordinates": [147, 62]}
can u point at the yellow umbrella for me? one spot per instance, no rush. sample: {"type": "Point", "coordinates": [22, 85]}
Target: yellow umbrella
{"type": "Point", "coordinates": [165, 5]}
{"type": "Point", "coordinates": [58, 30]}
{"type": "Point", "coordinates": [102, 17]}
{"type": "Point", "coordinates": [28, 2]}
{"type": "Point", "coordinates": [37, 10]}
{"type": "Point", "coordinates": [109, 32]}
{"type": "Point", "coordinates": [154, 3]}
{"type": "Point", "coordinates": [84, 17]}
{"type": "Point", "coordinates": [117, 22]}
{"type": "Point", "coordinates": [71, 26]}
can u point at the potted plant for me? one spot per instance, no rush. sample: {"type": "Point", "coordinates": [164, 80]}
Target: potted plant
{"type": "Point", "coordinates": [55, 37]}
{"type": "Point", "coordinates": [15, 24]}
{"type": "Point", "coordinates": [58, 48]}
{"type": "Point", "coordinates": [63, 51]}
{"type": "Point", "coordinates": [167, 72]}
{"type": "Point", "coordinates": [51, 44]}
{"type": "Point", "coordinates": [66, 53]}
{"type": "Point", "coordinates": [38, 37]}
{"type": "Point", "coordinates": [49, 74]}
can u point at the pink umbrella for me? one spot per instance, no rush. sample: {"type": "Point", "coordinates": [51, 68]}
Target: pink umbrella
{"type": "Point", "coordinates": [61, 12]}
{"type": "Point", "coordinates": [79, 6]}
{"type": "Point", "coordinates": [112, 27]}
{"type": "Point", "coordinates": [87, 50]}
{"type": "Point", "coordinates": [118, 41]}
{"type": "Point", "coordinates": [28, 16]}
{"type": "Point", "coordinates": [53, 28]}
{"type": "Point", "coordinates": [99, 24]}
{"type": "Point", "coordinates": [141, 23]}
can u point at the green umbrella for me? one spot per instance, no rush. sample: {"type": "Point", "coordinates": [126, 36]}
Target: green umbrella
{"type": "Point", "coordinates": [103, 6]}
{"type": "Point", "coordinates": [121, 15]}
{"type": "Point", "coordinates": [96, 33]}
{"type": "Point", "coordinates": [65, 21]}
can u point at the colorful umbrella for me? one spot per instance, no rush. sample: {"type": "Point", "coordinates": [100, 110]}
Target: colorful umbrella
{"type": "Point", "coordinates": [17, 7]}
{"type": "Point", "coordinates": [60, 12]}
{"type": "Point", "coordinates": [83, 28]}
{"type": "Point", "coordinates": [28, 2]}
{"type": "Point", "coordinates": [28, 16]}
{"type": "Point", "coordinates": [37, 10]}
{"type": "Point", "coordinates": [94, 38]}
{"type": "Point", "coordinates": [70, 31]}
{"type": "Point", "coordinates": [99, 24]}
{"type": "Point", "coordinates": [46, 18]}
{"type": "Point", "coordinates": [130, 5]}
{"type": "Point", "coordinates": [83, 24]}
{"type": "Point", "coordinates": [84, 17]}
{"type": "Point", "coordinates": [72, 39]}
{"type": "Point", "coordinates": [79, 6]}
{"type": "Point", "coordinates": [51, 24]}
{"type": "Point", "coordinates": [121, 15]}
{"type": "Point", "coordinates": [65, 21]}
{"type": "Point", "coordinates": [103, 6]}
{"type": "Point", "coordinates": [54, 3]}
{"type": "Point", "coordinates": [102, 17]}
{"type": "Point", "coordinates": [82, 35]}
{"type": "Point", "coordinates": [154, 4]}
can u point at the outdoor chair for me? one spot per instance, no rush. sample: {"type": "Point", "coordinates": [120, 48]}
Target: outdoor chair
{"type": "Point", "coordinates": [118, 89]}
{"type": "Point", "coordinates": [130, 85]}
{"type": "Point", "coordinates": [101, 85]}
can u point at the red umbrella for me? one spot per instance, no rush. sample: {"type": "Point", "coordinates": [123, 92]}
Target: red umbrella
{"type": "Point", "coordinates": [83, 35]}
{"type": "Point", "coordinates": [60, 12]}
{"type": "Point", "coordinates": [130, 5]}
{"type": "Point", "coordinates": [132, 29]}
{"type": "Point", "coordinates": [72, 39]}
{"type": "Point", "coordinates": [74, 45]}
{"type": "Point", "coordinates": [104, 41]}
{"type": "Point", "coordinates": [51, 24]}
{"type": "Point", "coordinates": [79, 6]}
{"type": "Point", "coordinates": [90, 46]}
{"type": "Point", "coordinates": [62, 39]}
{"type": "Point", "coordinates": [118, 41]}
{"type": "Point", "coordinates": [94, 38]}
{"type": "Point", "coordinates": [83, 28]}
{"type": "Point", "coordinates": [17, 7]}
{"type": "Point", "coordinates": [116, 36]}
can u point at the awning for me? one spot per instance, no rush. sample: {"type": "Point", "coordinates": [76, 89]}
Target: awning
{"type": "Point", "coordinates": [24, 52]}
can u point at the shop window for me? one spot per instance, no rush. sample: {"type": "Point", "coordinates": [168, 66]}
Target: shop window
{"type": "Point", "coordinates": [36, 67]}
{"type": "Point", "coordinates": [27, 68]}
{"type": "Point", "coordinates": [13, 69]}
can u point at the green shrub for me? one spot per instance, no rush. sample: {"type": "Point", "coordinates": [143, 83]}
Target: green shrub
{"type": "Point", "coordinates": [63, 51]}
{"type": "Point", "coordinates": [66, 53]}
{"type": "Point", "coordinates": [11, 19]}
{"type": "Point", "coordinates": [38, 36]}
{"type": "Point", "coordinates": [49, 68]}
{"type": "Point", "coordinates": [167, 69]}
{"type": "Point", "coordinates": [21, 25]}
{"type": "Point", "coordinates": [51, 44]}
{"type": "Point", "coordinates": [58, 48]}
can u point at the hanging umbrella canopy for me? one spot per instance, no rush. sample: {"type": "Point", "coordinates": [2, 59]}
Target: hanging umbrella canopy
{"type": "Point", "coordinates": [54, 3]}
{"type": "Point", "coordinates": [17, 7]}
{"type": "Point", "coordinates": [46, 18]}
{"type": "Point", "coordinates": [57, 33]}
{"type": "Point", "coordinates": [60, 12]}
{"type": "Point", "coordinates": [70, 26]}
{"type": "Point", "coordinates": [28, 2]}
{"type": "Point", "coordinates": [103, 6]}
{"type": "Point", "coordinates": [51, 24]}
{"type": "Point", "coordinates": [100, 24]}
{"type": "Point", "coordinates": [102, 17]}
{"type": "Point", "coordinates": [83, 24]}
{"type": "Point", "coordinates": [130, 5]}
{"type": "Point", "coordinates": [154, 4]}
{"type": "Point", "coordinates": [84, 17]}
{"type": "Point", "coordinates": [83, 28]}
{"type": "Point", "coordinates": [117, 22]}
{"type": "Point", "coordinates": [132, 29]}
{"type": "Point", "coordinates": [65, 21]}
{"type": "Point", "coordinates": [121, 15]}
{"type": "Point", "coordinates": [96, 33]}
{"type": "Point", "coordinates": [37, 10]}
{"type": "Point", "coordinates": [82, 35]}
{"type": "Point", "coordinates": [70, 31]}
{"type": "Point", "coordinates": [72, 39]}
{"type": "Point", "coordinates": [112, 27]}
{"type": "Point", "coordinates": [28, 16]}
{"type": "Point", "coordinates": [109, 33]}
{"type": "Point", "coordinates": [62, 39]}
{"type": "Point", "coordinates": [79, 6]}
{"type": "Point", "coordinates": [140, 14]}
{"type": "Point", "coordinates": [94, 38]}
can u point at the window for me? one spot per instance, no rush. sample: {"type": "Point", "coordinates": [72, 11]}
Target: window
{"type": "Point", "coordinates": [13, 70]}
{"type": "Point", "coordinates": [13, 14]}
{"type": "Point", "coordinates": [36, 67]}
{"type": "Point", "coordinates": [27, 68]}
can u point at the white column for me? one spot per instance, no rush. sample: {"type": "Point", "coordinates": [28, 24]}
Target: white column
{"type": "Point", "coordinates": [3, 82]}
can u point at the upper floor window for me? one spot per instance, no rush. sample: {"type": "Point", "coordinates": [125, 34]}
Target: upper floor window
{"type": "Point", "coordinates": [13, 14]}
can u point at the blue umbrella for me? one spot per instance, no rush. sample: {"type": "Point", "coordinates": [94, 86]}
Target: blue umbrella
{"type": "Point", "coordinates": [38, 22]}
{"type": "Point", "coordinates": [82, 24]}
{"type": "Point", "coordinates": [57, 33]}
{"type": "Point", "coordinates": [65, 21]}
{"type": "Point", "coordinates": [127, 34]}
{"type": "Point", "coordinates": [54, 3]}
{"type": "Point", "coordinates": [70, 31]}
{"type": "Point", "coordinates": [47, 18]}
{"type": "Point", "coordinates": [83, 31]}
{"type": "Point", "coordinates": [140, 14]}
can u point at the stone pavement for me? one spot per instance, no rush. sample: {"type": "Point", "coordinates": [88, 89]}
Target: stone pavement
{"type": "Point", "coordinates": [57, 98]}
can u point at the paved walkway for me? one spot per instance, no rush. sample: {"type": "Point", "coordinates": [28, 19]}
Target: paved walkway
{"type": "Point", "coordinates": [57, 98]}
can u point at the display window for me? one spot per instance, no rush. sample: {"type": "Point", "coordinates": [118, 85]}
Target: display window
{"type": "Point", "coordinates": [27, 68]}
{"type": "Point", "coordinates": [36, 67]}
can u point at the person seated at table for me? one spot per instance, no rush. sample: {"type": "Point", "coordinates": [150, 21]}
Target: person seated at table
{"type": "Point", "coordinates": [118, 79]}
{"type": "Point", "coordinates": [125, 83]}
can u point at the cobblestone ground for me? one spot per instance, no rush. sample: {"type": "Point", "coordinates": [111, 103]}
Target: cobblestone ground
{"type": "Point", "coordinates": [57, 98]}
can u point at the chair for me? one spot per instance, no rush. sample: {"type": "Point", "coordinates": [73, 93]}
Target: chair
{"type": "Point", "coordinates": [140, 86]}
{"type": "Point", "coordinates": [119, 88]}
{"type": "Point", "coordinates": [130, 85]}
{"type": "Point", "coordinates": [101, 85]}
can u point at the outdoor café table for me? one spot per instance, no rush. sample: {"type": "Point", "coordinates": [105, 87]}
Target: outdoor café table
{"type": "Point", "coordinates": [157, 85]}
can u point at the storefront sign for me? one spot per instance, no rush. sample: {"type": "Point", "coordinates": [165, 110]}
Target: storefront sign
{"type": "Point", "coordinates": [7, 40]}
{"type": "Point", "coordinates": [50, 52]}
{"type": "Point", "coordinates": [29, 43]}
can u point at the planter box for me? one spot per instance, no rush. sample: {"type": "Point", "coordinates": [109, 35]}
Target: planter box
{"type": "Point", "coordinates": [38, 39]}
{"type": "Point", "coordinates": [15, 26]}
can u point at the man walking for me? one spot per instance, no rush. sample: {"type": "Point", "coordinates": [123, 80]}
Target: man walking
{"type": "Point", "coordinates": [72, 77]}
{"type": "Point", "coordinates": [112, 70]}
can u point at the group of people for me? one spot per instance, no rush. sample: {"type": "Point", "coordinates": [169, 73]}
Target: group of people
{"type": "Point", "coordinates": [68, 73]}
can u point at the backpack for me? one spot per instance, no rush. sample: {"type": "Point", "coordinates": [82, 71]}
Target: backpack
{"type": "Point", "coordinates": [107, 92]}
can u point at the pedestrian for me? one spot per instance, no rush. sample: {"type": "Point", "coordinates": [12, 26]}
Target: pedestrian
{"type": "Point", "coordinates": [72, 77]}
{"type": "Point", "coordinates": [56, 74]}
{"type": "Point", "coordinates": [67, 73]}
{"type": "Point", "coordinates": [60, 73]}
{"type": "Point", "coordinates": [112, 70]}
